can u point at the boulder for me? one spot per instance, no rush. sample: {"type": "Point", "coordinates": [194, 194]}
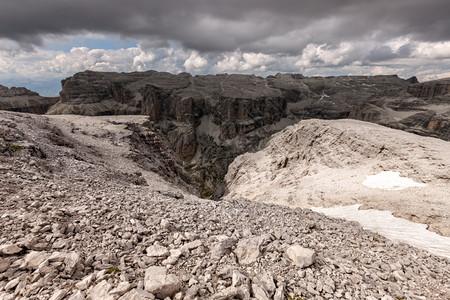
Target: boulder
{"type": "Point", "coordinates": [161, 284]}
{"type": "Point", "coordinates": [300, 256]}
{"type": "Point", "coordinates": [249, 249]}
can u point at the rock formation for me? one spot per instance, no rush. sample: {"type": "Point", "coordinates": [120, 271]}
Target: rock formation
{"type": "Point", "coordinates": [23, 100]}
{"type": "Point", "coordinates": [82, 218]}
{"type": "Point", "coordinates": [209, 120]}
{"type": "Point", "coordinates": [324, 163]}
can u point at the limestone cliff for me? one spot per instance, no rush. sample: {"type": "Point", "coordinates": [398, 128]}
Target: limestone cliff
{"type": "Point", "coordinates": [211, 119]}
{"type": "Point", "coordinates": [23, 100]}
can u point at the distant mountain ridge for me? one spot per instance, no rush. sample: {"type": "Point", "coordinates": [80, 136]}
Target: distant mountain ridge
{"type": "Point", "coordinates": [21, 99]}
{"type": "Point", "coordinates": [208, 120]}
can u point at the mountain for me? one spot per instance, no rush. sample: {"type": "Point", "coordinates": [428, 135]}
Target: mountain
{"type": "Point", "coordinates": [325, 163]}
{"type": "Point", "coordinates": [23, 100]}
{"type": "Point", "coordinates": [98, 208]}
{"type": "Point", "coordinates": [209, 120]}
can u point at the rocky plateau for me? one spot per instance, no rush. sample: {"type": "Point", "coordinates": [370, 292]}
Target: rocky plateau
{"type": "Point", "coordinates": [209, 120]}
{"type": "Point", "coordinates": [89, 213]}
{"type": "Point", "coordinates": [104, 197]}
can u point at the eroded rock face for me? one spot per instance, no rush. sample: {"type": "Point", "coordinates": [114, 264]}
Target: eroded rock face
{"type": "Point", "coordinates": [209, 120]}
{"type": "Point", "coordinates": [21, 99]}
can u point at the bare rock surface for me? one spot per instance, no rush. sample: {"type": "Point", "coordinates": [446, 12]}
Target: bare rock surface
{"type": "Point", "coordinates": [324, 163]}
{"type": "Point", "coordinates": [209, 120]}
{"type": "Point", "coordinates": [84, 227]}
{"type": "Point", "coordinates": [23, 100]}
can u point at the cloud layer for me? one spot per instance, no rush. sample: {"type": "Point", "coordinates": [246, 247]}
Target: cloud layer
{"type": "Point", "coordinates": [203, 36]}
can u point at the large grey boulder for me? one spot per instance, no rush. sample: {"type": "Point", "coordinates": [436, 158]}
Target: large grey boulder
{"type": "Point", "coordinates": [158, 282]}
{"type": "Point", "coordinates": [300, 256]}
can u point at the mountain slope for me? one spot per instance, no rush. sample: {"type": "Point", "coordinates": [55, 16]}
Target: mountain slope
{"type": "Point", "coordinates": [324, 163]}
{"type": "Point", "coordinates": [82, 218]}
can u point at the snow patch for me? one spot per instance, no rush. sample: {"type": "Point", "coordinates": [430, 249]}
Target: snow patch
{"type": "Point", "coordinates": [395, 229]}
{"type": "Point", "coordinates": [388, 180]}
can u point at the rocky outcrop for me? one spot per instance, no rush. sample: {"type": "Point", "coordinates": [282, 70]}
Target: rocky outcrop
{"type": "Point", "coordinates": [74, 226]}
{"type": "Point", "coordinates": [23, 100]}
{"type": "Point", "coordinates": [324, 163]}
{"type": "Point", "coordinates": [209, 120]}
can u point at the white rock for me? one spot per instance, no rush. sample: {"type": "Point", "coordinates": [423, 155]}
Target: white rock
{"type": "Point", "coordinates": [232, 292]}
{"type": "Point", "coordinates": [100, 292]}
{"type": "Point", "coordinates": [71, 261]}
{"type": "Point", "coordinates": [279, 293]}
{"type": "Point", "coordinates": [248, 250]}
{"type": "Point", "coordinates": [157, 251]}
{"type": "Point", "coordinates": [57, 257]}
{"type": "Point", "coordinates": [157, 282]}
{"type": "Point", "coordinates": [121, 288]}
{"type": "Point", "coordinates": [137, 294]}
{"type": "Point", "coordinates": [259, 293]}
{"type": "Point", "coordinates": [9, 249]}
{"type": "Point", "coordinates": [12, 284]}
{"type": "Point", "coordinates": [193, 244]}
{"type": "Point", "coordinates": [58, 295]}
{"type": "Point", "coordinates": [239, 279]}
{"type": "Point", "coordinates": [265, 281]}
{"type": "Point", "coordinates": [85, 282]}
{"type": "Point", "coordinates": [33, 259]}
{"type": "Point", "coordinates": [301, 257]}
{"type": "Point", "coordinates": [78, 295]}
{"type": "Point", "coordinates": [4, 265]}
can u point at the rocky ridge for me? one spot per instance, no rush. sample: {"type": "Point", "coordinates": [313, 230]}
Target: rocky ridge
{"type": "Point", "coordinates": [75, 226]}
{"type": "Point", "coordinates": [324, 163]}
{"type": "Point", "coordinates": [209, 120]}
{"type": "Point", "coordinates": [23, 100]}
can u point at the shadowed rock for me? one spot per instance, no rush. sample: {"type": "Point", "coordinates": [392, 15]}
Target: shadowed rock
{"type": "Point", "coordinates": [23, 100]}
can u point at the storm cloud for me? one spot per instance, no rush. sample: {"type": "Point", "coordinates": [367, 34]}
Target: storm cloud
{"type": "Point", "coordinates": [325, 37]}
{"type": "Point", "coordinates": [266, 26]}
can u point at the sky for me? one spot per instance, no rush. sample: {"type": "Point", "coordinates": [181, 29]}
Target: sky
{"type": "Point", "coordinates": [45, 41]}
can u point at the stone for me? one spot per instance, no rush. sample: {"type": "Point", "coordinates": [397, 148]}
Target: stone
{"type": "Point", "coordinates": [85, 282]}
{"type": "Point", "coordinates": [238, 279]}
{"type": "Point", "coordinates": [248, 250]}
{"type": "Point", "coordinates": [33, 259]}
{"type": "Point", "coordinates": [12, 284]}
{"type": "Point", "coordinates": [231, 293]}
{"type": "Point", "coordinates": [4, 265]}
{"type": "Point", "coordinates": [222, 247]}
{"type": "Point", "coordinates": [77, 295]}
{"type": "Point", "coordinates": [137, 294]}
{"type": "Point", "coordinates": [57, 257]}
{"type": "Point", "coordinates": [121, 288]}
{"type": "Point", "coordinates": [266, 282]}
{"type": "Point", "coordinates": [193, 245]}
{"type": "Point", "coordinates": [158, 282]}
{"type": "Point", "coordinates": [9, 249]}
{"type": "Point", "coordinates": [259, 293]}
{"type": "Point", "coordinates": [71, 261]}
{"type": "Point", "coordinates": [100, 292]}
{"type": "Point", "coordinates": [157, 251]}
{"type": "Point", "coordinates": [300, 256]}
{"type": "Point", "coordinates": [280, 292]}
{"type": "Point", "coordinates": [58, 295]}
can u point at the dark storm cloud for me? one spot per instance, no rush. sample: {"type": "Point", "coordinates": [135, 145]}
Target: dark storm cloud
{"type": "Point", "coordinates": [224, 25]}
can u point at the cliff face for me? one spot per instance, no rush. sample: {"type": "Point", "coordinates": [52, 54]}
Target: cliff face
{"type": "Point", "coordinates": [209, 120]}
{"type": "Point", "coordinates": [23, 100]}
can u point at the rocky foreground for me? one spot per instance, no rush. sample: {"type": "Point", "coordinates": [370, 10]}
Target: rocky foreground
{"type": "Point", "coordinates": [81, 219]}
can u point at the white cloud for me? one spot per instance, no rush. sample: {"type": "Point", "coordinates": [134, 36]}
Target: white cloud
{"type": "Point", "coordinates": [195, 63]}
{"type": "Point", "coordinates": [437, 50]}
{"type": "Point", "coordinates": [245, 62]}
